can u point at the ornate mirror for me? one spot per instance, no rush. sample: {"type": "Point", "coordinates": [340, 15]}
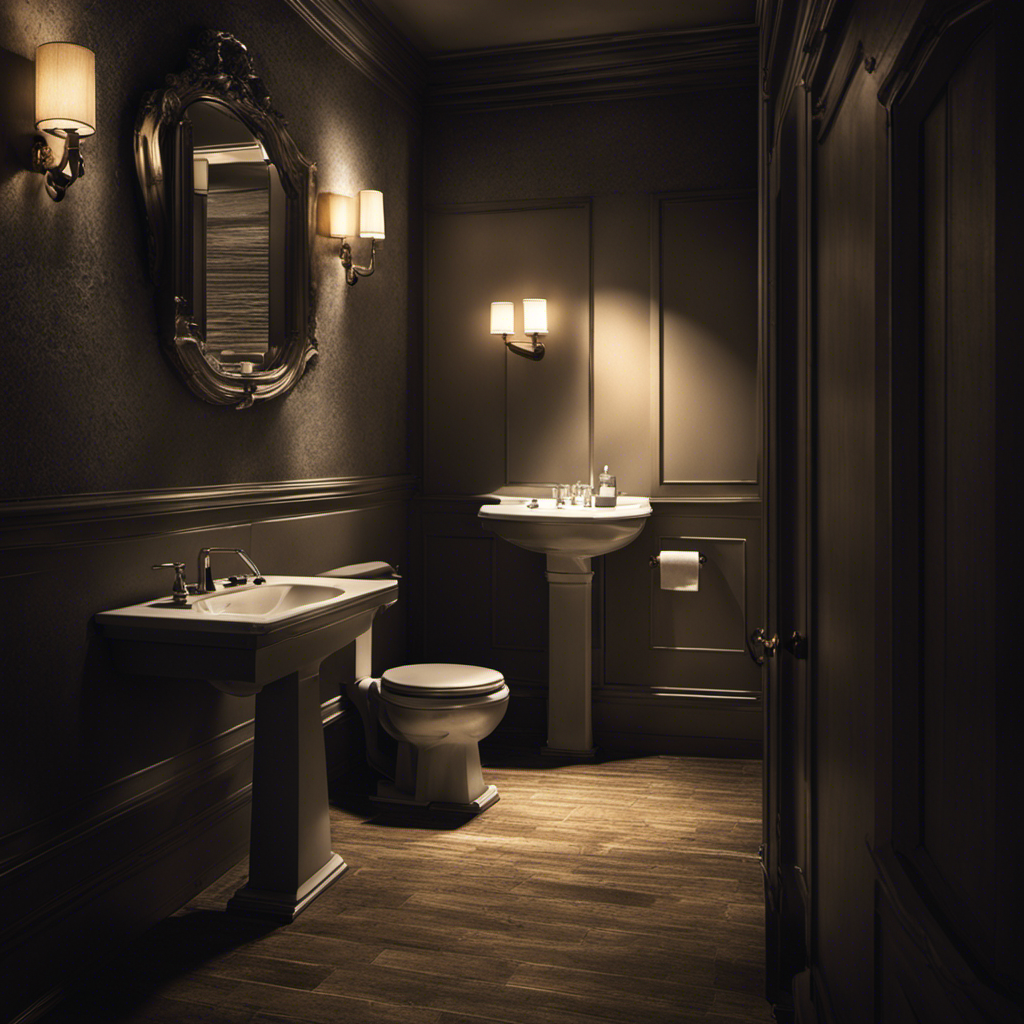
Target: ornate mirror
{"type": "Point", "coordinates": [229, 199]}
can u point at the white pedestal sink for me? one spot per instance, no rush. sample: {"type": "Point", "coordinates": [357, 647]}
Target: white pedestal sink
{"type": "Point", "coordinates": [266, 640]}
{"type": "Point", "coordinates": [569, 536]}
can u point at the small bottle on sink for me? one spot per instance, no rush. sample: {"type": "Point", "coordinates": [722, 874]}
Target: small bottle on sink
{"type": "Point", "coordinates": [605, 497]}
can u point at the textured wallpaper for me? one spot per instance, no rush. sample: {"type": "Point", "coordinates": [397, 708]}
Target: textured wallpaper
{"type": "Point", "coordinates": [90, 404]}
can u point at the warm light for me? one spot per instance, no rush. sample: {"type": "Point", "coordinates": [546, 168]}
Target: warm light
{"type": "Point", "coordinates": [201, 175]}
{"type": "Point", "coordinates": [344, 217]}
{"type": "Point", "coordinates": [336, 215]}
{"type": "Point", "coordinates": [503, 318]}
{"type": "Point", "coordinates": [65, 89]}
{"type": "Point", "coordinates": [371, 214]}
{"type": "Point", "coordinates": [535, 316]}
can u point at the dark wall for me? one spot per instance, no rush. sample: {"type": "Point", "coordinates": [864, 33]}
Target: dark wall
{"type": "Point", "coordinates": [95, 407]}
{"type": "Point", "coordinates": [637, 219]}
{"type": "Point", "coordinates": [121, 796]}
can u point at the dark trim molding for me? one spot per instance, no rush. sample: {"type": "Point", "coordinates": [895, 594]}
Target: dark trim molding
{"type": "Point", "coordinates": [370, 43]}
{"type": "Point", "coordinates": [35, 521]}
{"type": "Point", "coordinates": [596, 67]}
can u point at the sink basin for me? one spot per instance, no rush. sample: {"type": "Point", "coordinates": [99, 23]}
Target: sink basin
{"type": "Point", "coordinates": [241, 638]}
{"type": "Point", "coordinates": [266, 602]}
{"type": "Point", "coordinates": [267, 640]}
{"type": "Point", "coordinates": [571, 531]}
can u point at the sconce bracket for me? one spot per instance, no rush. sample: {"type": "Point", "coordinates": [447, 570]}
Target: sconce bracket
{"type": "Point", "coordinates": [352, 271]}
{"type": "Point", "coordinates": [44, 162]}
{"type": "Point", "coordinates": [534, 351]}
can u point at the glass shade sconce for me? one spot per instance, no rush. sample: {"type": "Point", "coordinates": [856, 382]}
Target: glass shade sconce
{"type": "Point", "coordinates": [65, 110]}
{"type": "Point", "coordinates": [535, 322]}
{"type": "Point", "coordinates": [346, 217]}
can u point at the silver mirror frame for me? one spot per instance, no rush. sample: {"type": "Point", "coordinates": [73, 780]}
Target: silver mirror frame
{"type": "Point", "coordinates": [220, 70]}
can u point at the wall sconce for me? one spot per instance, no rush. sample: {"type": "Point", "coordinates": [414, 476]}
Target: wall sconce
{"type": "Point", "coordinates": [535, 321]}
{"type": "Point", "coordinates": [65, 109]}
{"type": "Point", "coordinates": [344, 217]}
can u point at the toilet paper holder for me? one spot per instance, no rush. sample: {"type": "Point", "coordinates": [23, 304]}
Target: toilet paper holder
{"type": "Point", "coordinates": [655, 560]}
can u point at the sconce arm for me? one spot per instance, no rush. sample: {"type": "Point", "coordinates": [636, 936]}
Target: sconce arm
{"type": "Point", "coordinates": [57, 182]}
{"type": "Point", "coordinates": [352, 271]}
{"type": "Point", "coordinates": [534, 351]}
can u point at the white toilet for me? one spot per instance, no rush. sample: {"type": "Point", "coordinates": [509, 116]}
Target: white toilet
{"type": "Point", "coordinates": [437, 713]}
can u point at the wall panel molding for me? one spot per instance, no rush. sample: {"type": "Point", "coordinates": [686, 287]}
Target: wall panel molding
{"type": "Point", "coordinates": [703, 333]}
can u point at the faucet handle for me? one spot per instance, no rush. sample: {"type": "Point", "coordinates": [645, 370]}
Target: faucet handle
{"type": "Point", "coordinates": [179, 592]}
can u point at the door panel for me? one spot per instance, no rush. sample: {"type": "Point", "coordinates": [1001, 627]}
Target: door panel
{"type": "Point", "coordinates": [788, 723]}
{"type": "Point", "coordinates": [944, 909]}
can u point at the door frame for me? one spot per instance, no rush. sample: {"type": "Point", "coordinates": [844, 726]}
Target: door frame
{"type": "Point", "coordinates": [788, 855]}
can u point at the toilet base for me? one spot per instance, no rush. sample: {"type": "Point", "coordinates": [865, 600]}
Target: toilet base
{"type": "Point", "coordinates": [390, 795]}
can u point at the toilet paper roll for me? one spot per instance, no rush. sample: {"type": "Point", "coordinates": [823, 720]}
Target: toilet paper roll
{"type": "Point", "coordinates": [680, 570]}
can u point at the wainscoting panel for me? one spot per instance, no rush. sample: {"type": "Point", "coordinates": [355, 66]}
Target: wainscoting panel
{"type": "Point", "coordinates": [122, 796]}
{"type": "Point", "coordinates": [708, 627]}
{"type": "Point", "coordinates": [713, 617]}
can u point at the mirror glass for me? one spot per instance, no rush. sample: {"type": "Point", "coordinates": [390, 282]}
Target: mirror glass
{"type": "Point", "coordinates": [229, 202]}
{"type": "Point", "coordinates": [237, 252]}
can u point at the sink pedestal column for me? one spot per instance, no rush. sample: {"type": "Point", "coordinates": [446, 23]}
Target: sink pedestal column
{"type": "Point", "coordinates": [570, 730]}
{"type": "Point", "coordinates": [290, 856]}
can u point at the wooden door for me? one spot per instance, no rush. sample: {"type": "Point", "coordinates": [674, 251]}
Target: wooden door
{"type": "Point", "coordinates": [788, 793]}
{"type": "Point", "coordinates": [948, 902]}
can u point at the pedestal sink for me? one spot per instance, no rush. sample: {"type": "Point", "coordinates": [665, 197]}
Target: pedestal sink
{"type": "Point", "coordinates": [569, 536]}
{"type": "Point", "coordinates": [266, 640]}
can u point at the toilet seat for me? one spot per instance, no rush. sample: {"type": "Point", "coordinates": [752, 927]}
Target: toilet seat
{"type": "Point", "coordinates": [434, 681]}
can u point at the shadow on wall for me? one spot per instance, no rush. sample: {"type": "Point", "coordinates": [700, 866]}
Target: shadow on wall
{"type": "Point", "coordinates": [17, 106]}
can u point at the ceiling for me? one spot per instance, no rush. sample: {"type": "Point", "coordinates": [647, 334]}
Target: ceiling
{"type": "Point", "coordinates": [437, 27]}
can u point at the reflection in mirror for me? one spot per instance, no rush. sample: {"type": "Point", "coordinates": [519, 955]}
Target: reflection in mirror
{"type": "Point", "coordinates": [229, 202]}
{"type": "Point", "coordinates": [238, 210]}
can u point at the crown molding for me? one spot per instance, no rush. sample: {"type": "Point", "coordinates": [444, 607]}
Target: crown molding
{"type": "Point", "coordinates": [595, 67]}
{"type": "Point", "coordinates": [370, 43]}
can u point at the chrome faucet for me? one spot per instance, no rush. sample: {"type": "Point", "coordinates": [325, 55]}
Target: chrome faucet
{"type": "Point", "coordinates": [205, 575]}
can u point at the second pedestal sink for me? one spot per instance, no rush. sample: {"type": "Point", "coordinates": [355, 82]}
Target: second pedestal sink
{"type": "Point", "coordinates": [267, 640]}
{"type": "Point", "coordinates": [569, 536]}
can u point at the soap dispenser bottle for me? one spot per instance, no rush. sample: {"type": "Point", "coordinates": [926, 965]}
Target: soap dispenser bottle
{"type": "Point", "coordinates": [605, 497]}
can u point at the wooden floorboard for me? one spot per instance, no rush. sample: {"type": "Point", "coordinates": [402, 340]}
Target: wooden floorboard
{"type": "Point", "coordinates": [624, 891]}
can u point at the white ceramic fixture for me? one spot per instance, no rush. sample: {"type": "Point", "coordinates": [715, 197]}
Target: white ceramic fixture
{"type": "Point", "coordinates": [267, 640]}
{"type": "Point", "coordinates": [569, 536]}
{"type": "Point", "coordinates": [438, 713]}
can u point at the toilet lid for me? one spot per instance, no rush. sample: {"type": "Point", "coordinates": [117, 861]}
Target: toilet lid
{"type": "Point", "coordinates": [442, 680]}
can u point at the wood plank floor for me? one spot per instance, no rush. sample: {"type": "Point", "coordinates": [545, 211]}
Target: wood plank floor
{"type": "Point", "coordinates": [626, 891]}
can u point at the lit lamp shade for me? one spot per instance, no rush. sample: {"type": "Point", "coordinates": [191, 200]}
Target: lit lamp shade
{"type": "Point", "coordinates": [503, 318]}
{"type": "Point", "coordinates": [336, 215]}
{"type": "Point", "coordinates": [371, 214]}
{"type": "Point", "coordinates": [535, 316]}
{"type": "Point", "coordinates": [65, 89]}
{"type": "Point", "coordinates": [200, 175]}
